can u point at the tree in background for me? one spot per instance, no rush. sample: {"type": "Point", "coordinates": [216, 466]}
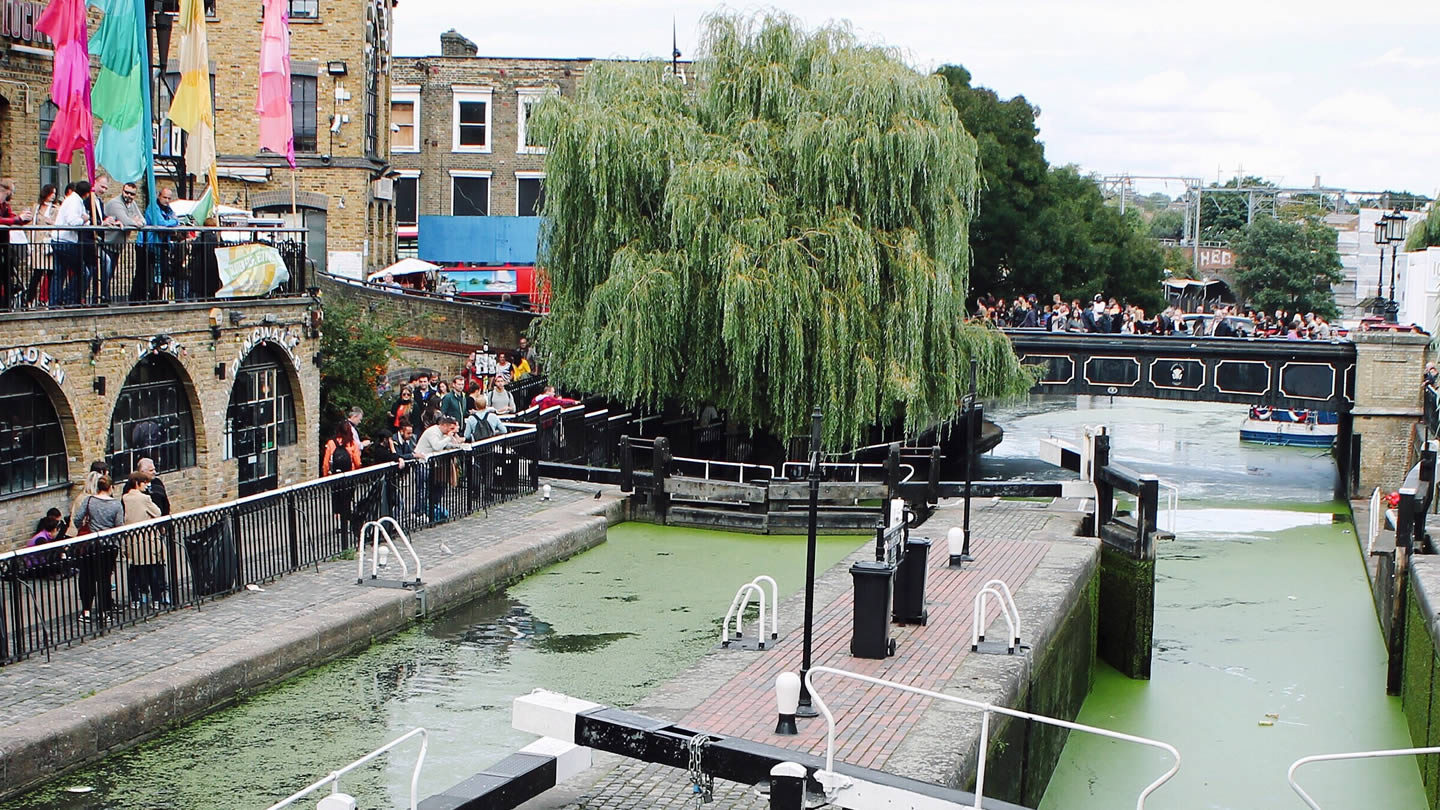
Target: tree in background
{"type": "Point", "coordinates": [1039, 229]}
{"type": "Point", "coordinates": [1424, 231]}
{"type": "Point", "coordinates": [790, 230]}
{"type": "Point", "coordinates": [1014, 189]}
{"type": "Point", "coordinates": [1224, 216]}
{"type": "Point", "coordinates": [1288, 265]}
{"type": "Point", "coordinates": [355, 349]}
{"type": "Point", "coordinates": [1167, 225]}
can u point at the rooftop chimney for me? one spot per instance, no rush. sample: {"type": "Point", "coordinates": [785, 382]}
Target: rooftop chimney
{"type": "Point", "coordinates": [453, 44]}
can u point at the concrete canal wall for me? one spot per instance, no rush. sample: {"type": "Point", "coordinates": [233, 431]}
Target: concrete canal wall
{"type": "Point", "coordinates": [333, 617]}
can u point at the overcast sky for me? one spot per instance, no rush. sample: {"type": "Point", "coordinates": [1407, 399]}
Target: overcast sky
{"type": "Point", "coordinates": [1349, 91]}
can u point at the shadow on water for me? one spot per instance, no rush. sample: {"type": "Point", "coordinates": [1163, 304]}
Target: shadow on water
{"type": "Point", "coordinates": [607, 625]}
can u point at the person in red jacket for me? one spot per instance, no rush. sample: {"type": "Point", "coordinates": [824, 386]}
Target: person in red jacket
{"type": "Point", "coordinates": [548, 397]}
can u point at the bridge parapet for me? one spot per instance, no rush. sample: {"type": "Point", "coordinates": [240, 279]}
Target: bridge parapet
{"type": "Point", "coordinates": [1388, 404]}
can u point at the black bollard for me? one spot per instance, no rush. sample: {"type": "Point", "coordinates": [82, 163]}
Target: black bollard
{"type": "Point", "coordinates": [871, 631]}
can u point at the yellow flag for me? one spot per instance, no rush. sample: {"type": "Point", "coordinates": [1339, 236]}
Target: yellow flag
{"type": "Point", "coordinates": [192, 108]}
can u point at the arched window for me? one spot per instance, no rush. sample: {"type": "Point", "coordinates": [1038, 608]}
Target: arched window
{"type": "Point", "coordinates": [152, 418]}
{"type": "Point", "coordinates": [32, 445]}
{"type": "Point", "coordinates": [260, 419]}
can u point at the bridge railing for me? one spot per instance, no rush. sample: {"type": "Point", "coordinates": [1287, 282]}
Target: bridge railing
{"type": "Point", "coordinates": [131, 573]}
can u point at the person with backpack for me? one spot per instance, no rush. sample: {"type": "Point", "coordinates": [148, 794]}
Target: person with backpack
{"type": "Point", "coordinates": [482, 422]}
{"type": "Point", "coordinates": [342, 454]}
{"type": "Point", "coordinates": [96, 560]}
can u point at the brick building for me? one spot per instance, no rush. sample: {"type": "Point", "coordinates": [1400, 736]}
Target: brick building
{"type": "Point", "coordinates": [459, 139]}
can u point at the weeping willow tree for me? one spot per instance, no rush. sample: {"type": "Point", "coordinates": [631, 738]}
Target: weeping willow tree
{"type": "Point", "coordinates": [789, 229]}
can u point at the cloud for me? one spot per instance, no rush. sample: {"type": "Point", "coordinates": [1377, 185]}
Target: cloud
{"type": "Point", "coordinates": [1398, 57]}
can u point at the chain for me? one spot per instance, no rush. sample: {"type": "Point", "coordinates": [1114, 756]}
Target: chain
{"type": "Point", "coordinates": [702, 785]}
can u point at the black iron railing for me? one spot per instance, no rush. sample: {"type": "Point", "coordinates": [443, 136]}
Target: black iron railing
{"type": "Point", "coordinates": [130, 574]}
{"type": "Point", "coordinates": [148, 265]}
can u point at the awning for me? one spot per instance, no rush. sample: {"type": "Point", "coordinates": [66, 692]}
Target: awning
{"type": "Point", "coordinates": [404, 267]}
{"type": "Point", "coordinates": [245, 174]}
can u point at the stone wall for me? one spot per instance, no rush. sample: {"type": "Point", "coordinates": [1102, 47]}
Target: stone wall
{"type": "Point", "coordinates": [1388, 373]}
{"type": "Point", "coordinates": [66, 363]}
{"type": "Point", "coordinates": [435, 318]}
{"type": "Point", "coordinates": [1421, 676]}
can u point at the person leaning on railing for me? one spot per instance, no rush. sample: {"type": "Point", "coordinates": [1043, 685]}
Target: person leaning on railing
{"type": "Point", "coordinates": [124, 211]}
{"type": "Point", "coordinates": [159, 249]}
{"type": "Point", "coordinates": [96, 559]}
{"type": "Point", "coordinates": [47, 207]}
{"type": "Point", "coordinates": [438, 474]}
{"type": "Point", "coordinates": [143, 553]}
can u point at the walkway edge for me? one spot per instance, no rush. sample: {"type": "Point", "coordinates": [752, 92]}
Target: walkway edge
{"type": "Point", "coordinates": [63, 739]}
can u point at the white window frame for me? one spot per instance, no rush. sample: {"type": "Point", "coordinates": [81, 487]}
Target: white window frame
{"type": "Point", "coordinates": [463, 93]}
{"type": "Point", "coordinates": [521, 174]}
{"type": "Point", "coordinates": [489, 188]}
{"type": "Point", "coordinates": [407, 94]}
{"type": "Point", "coordinates": [525, 96]}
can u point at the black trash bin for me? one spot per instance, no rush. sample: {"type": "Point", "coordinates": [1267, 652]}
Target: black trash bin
{"type": "Point", "coordinates": [910, 579]}
{"type": "Point", "coordinates": [214, 561]}
{"type": "Point", "coordinates": [873, 584]}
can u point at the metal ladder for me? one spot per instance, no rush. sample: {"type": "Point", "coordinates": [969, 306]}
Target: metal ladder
{"type": "Point", "coordinates": [380, 555]}
{"type": "Point", "coordinates": [737, 611]}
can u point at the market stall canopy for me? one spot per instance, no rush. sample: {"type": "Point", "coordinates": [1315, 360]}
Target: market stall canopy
{"type": "Point", "coordinates": [404, 267]}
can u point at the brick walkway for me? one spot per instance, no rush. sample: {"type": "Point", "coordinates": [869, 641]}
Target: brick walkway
{"type": "Point", "coordinates": [871, 721]}
{"type": "Point", "coordinates": [33, 686]}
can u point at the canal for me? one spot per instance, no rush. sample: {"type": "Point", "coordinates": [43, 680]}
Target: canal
{"type": "Point", "coordinates": [608, 625]}
{"type": "Point", "coordinates": [1266, 644]}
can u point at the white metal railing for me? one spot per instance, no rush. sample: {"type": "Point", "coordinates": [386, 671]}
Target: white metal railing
{"type": "Point", "coordinates": [1394, 752]}
{"type": "Point", "coordinates": [742, 601]}
{"type": "Point", "coordinates": [380, 533]}
{"type": "Point", "coordinates": [333, 780]}
{"type": "Point", "coordinates": [998, 589]}
{"type": "Point", "coordinates": [707, 465]}
{"type": "Point", "coordinates": [1172, 504]}
{"type": "Point", "coordinates": [1372, 529]}
{"type": "Point", "coordinates": [798, 469]}
{"type": "Point", "coordinates": [834, 782]}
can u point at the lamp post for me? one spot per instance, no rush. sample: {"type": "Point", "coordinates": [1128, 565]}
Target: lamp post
{"type": "Point", "coordinates": [805, 709]}
{"type": "Point", "coordinates": [968, 420]}
{"type": "Point", "coordinates": [1394, 234]}
{"type": "Point", "coordinates": [1380, 241]}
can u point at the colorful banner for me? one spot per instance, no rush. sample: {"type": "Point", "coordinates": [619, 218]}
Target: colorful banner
{"type": "Point", "coordinates": [272, 104]}
{"type": "Point", "coordinates": [193, 108]}
{"type": "Point", "coordinates": [122, 89]}
{"type": "Point", "coordinates": [249, 271]}
{"type": "Point", "coordinates": [64, 22]}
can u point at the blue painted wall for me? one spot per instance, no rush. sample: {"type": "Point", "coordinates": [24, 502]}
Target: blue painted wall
{"type": "Point", "coordinates": [479, 240]}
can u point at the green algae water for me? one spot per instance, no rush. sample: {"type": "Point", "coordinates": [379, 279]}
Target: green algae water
{"type": "Point", "coordinates": [607, 625]}
{"type": "Point", "coordinates": [1267, 648]}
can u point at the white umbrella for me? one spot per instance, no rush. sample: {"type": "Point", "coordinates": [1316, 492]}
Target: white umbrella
{"type": "Point", "coordinates": [404, 267]}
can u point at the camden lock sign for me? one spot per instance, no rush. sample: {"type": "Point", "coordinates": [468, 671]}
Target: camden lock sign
{"type": "Point", "coordinates": [17, 22]}
{"type": "Point", "coordinates": [32, 356]}
{"type": "Point", "coordinates": [274, 335]}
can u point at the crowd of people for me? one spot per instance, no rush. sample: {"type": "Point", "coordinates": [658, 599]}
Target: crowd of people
{"type": "Point", "coordinates": [66, 249]}
{"type": "Point", "coordinates": [98, 506]}
{"type": "Point", "coordinates": [1110, 316]}
{"type": "Point", "coordinates": [429, 416]}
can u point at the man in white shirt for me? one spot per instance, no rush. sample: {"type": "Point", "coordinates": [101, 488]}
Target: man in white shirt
{"type": "Point", "coordinates": [437, 438]}
{"type": "Point", "coordinates": [69, 261]}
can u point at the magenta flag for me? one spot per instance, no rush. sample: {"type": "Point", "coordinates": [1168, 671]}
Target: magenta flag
{"type": "Point", "coordinates": [64, 22]}
{"type": "Point", "coordinates": [277, 132]}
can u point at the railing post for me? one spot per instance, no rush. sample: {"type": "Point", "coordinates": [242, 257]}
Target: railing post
{"type": "Point", "coordinates": [627, 465]}
{"type": "Point", "coordinates": [292, 525]}
{"type": "Point", "coordinates": [1404, 534]}
{"type": "Point", "coordinates": [659, 499]}
{"type": "Point", "coordinates": [892, 472]}
{"type": "Point", "coordinates": [467, 457]}
{"type": "Point", "coordinates": [535, 461]}
{"type": "Point", "coordinates": [1147, 511]}
{"type": "Point", "coordinates": [15, 627]}
{"type": "Point", "coordinates": [1104, 491]}
{"type": "Point", "coordinates": [172, 560]}
{"type": "Point", "coordinates": [932, 494]}
{"type": "Point", "coordinates": [234, 519]}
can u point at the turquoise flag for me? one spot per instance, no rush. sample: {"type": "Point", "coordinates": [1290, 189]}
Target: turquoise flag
{"type": "Point", "coordinates": [121, 99]}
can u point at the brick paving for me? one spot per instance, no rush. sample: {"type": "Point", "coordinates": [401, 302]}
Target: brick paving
{"type": "Point", "coordinates": [36, 685]}
{"type": "Point", "coordinates": [1008, 539]}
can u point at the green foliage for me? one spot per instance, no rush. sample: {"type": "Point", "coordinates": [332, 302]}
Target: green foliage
{"type": "Point", "coordinates": [1223, 216]}
{"type": "Point", "coordinates": [1013, 191]}
{"type": "Point", "coordinates": [355, 348]}
{"type": "Point", "coordinates": [1288, 265]}
{"type": "Point", "coordinates": [1424, 231]}
{"type": "Point", "coordinates": [1042, 230]}
{"type": "Point", "coordinates": [1167, 225]}
{"type": "Point", "coordinates": [789, 231]}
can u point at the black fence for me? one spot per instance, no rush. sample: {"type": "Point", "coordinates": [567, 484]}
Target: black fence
{"type": "Point", "coordinates": [61, 593]}
{"type": "Point", "coordinates": [109, 266]}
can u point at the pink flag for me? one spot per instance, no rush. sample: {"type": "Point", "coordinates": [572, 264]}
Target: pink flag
{"type": "Point", "coordinates": [277, 132]}
{"type": "Point", "coordinates": [64, 22]}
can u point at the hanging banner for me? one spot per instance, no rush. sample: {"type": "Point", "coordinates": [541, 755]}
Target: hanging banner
{"type": "Point", "coordinates": [248, 271]}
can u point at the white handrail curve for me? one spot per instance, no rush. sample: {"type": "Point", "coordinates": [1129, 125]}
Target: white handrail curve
{"type": "Point", "coordinates": [774, 604]}
{"type": "Point", "coordinates": [834, 782]}
{"type": "Point", "coordinates": [378, 530]}
{"type": "Point", "coordinates": [333, 779]}
{"type": "Point", "coordinates": [740, 614]}
{"type": "Point", "coordinates": [1000, 591]}
{"type": "Point", "coordinates": [1393, 752]}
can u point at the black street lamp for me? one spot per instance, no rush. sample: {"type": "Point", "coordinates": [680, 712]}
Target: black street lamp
{"type": "Point", "coordinates": [972, 433]}
{"type": "Point", "coordinates": [1394, 234]}
{"type": "Point", "coordinates": [805, 709]}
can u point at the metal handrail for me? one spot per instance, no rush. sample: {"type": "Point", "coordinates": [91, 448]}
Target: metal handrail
{"type": "Point", "coordinates": [424, 294]}
{"type": "Point", "coordinates": [1172, 503]}
{"type": "Point", "coordinates": [1373, 529]}
{"type": "Point", "coordinates": [379, 530]}
{"type": "Point", "coordinates": [834, 782]}
{"type": "Point", "coordinates": [741, 466]}
{"type": "Point", "coordinates": [739, 615]}
{"type": "Point", "coordinates": [1001, 591]}
{"type": "Point", "coordinates": [1394, 752]}
{"type": "Point", "coordinates": [804, 467]}
{"type": "Point", "coordinates": [333, 779]}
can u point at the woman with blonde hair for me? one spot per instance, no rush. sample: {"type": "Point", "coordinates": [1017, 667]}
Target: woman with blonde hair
{"type": "Point", "coordinates": [143, 550]}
